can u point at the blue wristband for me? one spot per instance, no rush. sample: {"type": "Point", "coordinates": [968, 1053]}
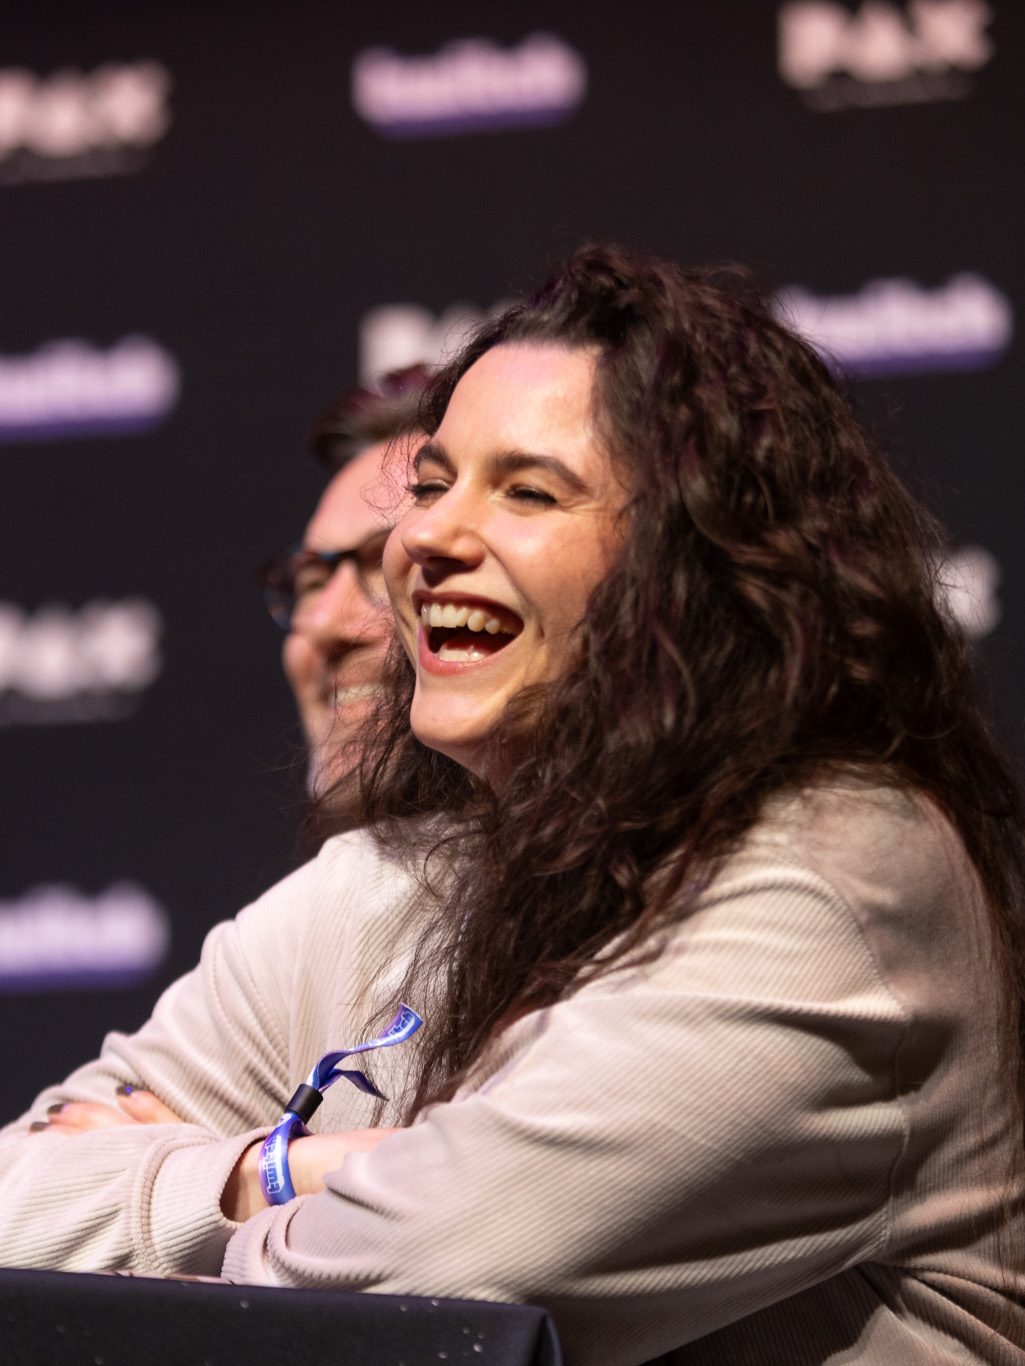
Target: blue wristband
{"type": "Point", "coordinates": [272, 1165]}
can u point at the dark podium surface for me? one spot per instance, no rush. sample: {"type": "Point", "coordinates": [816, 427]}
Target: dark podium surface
{"type": "Point", "coordinates": [50, 1318]}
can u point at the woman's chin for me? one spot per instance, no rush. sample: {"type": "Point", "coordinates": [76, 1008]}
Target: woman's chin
{"type": "Point", "coordinates": [453, 725]}
{"type": "Point", "coordinates": [489, 757]}
{"type": "Point", "coordinates": [464, 747]}
{"type": "Point", "coordinates": [469, 757]}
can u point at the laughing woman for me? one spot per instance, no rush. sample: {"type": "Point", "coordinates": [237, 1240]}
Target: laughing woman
{"type": "Point", "coordinates": [687, 839]}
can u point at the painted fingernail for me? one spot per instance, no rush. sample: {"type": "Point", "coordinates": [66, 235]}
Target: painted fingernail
{"type": "Point", "coordinates": [55, 1108]}
{"type": "Point", "coordinates": [125, 1090]}
{"type": "Point", "coordinates": [38, 1126]}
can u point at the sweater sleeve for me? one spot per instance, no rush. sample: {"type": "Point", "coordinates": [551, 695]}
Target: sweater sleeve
{"type": "Point", "coordinates": [147, 1197]}
{"type": "Point", "coordinates": [666, 1150]}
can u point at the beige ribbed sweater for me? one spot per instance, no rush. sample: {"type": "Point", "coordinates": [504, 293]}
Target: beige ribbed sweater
{"type": "Point", "coordinates": [768, 1146]}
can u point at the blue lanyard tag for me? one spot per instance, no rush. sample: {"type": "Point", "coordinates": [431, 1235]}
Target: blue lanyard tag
{"type": "Point", "coordinates": [275, 1180]}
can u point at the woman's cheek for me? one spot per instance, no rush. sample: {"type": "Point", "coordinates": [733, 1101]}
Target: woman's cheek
{"type": "Point", "coordinates": [396, 565]}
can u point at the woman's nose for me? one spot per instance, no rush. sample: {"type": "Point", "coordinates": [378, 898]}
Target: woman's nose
{"type": "Point", "coordinates": [446, 532]}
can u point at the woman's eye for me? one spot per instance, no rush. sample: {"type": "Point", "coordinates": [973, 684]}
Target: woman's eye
{"type": "Point", "coordinates": [425, 489]}
{"type": "Point", "coordinates": [525, 494]}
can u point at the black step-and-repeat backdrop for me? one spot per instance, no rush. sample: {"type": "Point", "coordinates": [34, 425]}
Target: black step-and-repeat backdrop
{"type": "Point", "coordinates": [214, 217]}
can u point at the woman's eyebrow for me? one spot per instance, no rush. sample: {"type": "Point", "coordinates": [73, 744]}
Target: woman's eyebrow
{"type": "Point", "coordinates": [506, 462]}
{"type": "Point", "coordinates": [515, 462]}
{"type": "Point", "coordinates": [432, 450]}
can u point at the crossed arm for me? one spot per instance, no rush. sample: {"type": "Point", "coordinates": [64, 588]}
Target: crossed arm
{"type": "Point", "coordinates": [309, 1158]}
{"type": "Point", "coordinates": [652, 1158]}
{"type": "Point", "coordinates": [158, 1179]}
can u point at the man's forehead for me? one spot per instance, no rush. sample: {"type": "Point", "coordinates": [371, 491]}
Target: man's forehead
{"type": "Point", "coordinates": [360, 499]}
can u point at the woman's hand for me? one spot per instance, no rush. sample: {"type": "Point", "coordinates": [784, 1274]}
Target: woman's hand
{"type": "Point", "coordinates": [309, 1159]}
{"type": "Point", "coordinates": [133, 1107]}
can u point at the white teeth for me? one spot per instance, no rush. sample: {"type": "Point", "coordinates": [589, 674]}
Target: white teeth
{"type": "Point", "coordinates": [448, 615]}
{"type": "Point", "coordinates": [444, 614]}
{"type": "Point", "coordinates": [455, 654]}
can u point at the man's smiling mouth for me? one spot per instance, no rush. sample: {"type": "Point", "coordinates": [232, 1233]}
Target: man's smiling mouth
{"type": "Point", "coordinates": [464, 632]}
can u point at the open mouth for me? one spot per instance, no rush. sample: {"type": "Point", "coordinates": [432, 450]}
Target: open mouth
{"type": "Point", "coordinates": [462, 633]}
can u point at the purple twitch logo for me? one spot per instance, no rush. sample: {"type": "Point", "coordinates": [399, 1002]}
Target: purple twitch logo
{"type": "Point", "coordinates": [898, 327]}
{"type": "Point", "coordinates": [471, 85]}
{"type": "Point", "coordinates": [73, 388]}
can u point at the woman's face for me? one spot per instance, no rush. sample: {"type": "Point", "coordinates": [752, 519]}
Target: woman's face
{"type": "Point", "coordinates": [513, 523]}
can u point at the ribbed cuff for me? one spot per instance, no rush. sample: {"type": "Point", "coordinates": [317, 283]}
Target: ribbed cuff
{"type": "Point", "coordinates": [179, 1227]}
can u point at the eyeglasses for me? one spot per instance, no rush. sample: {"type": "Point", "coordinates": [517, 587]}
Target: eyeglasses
{"type": "Point", "coordinates": [294, 577]}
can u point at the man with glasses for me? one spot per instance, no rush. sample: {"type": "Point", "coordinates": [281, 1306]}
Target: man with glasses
{"type": "Point", "coordinates": [328, 593]}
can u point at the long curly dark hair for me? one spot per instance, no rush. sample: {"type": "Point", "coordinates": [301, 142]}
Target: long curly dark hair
{"type": "Point", "coordinates": [773, 615]}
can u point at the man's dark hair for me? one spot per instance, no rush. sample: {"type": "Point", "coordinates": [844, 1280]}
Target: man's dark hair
{"type": "Point", "coordinates": [364, 415]}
